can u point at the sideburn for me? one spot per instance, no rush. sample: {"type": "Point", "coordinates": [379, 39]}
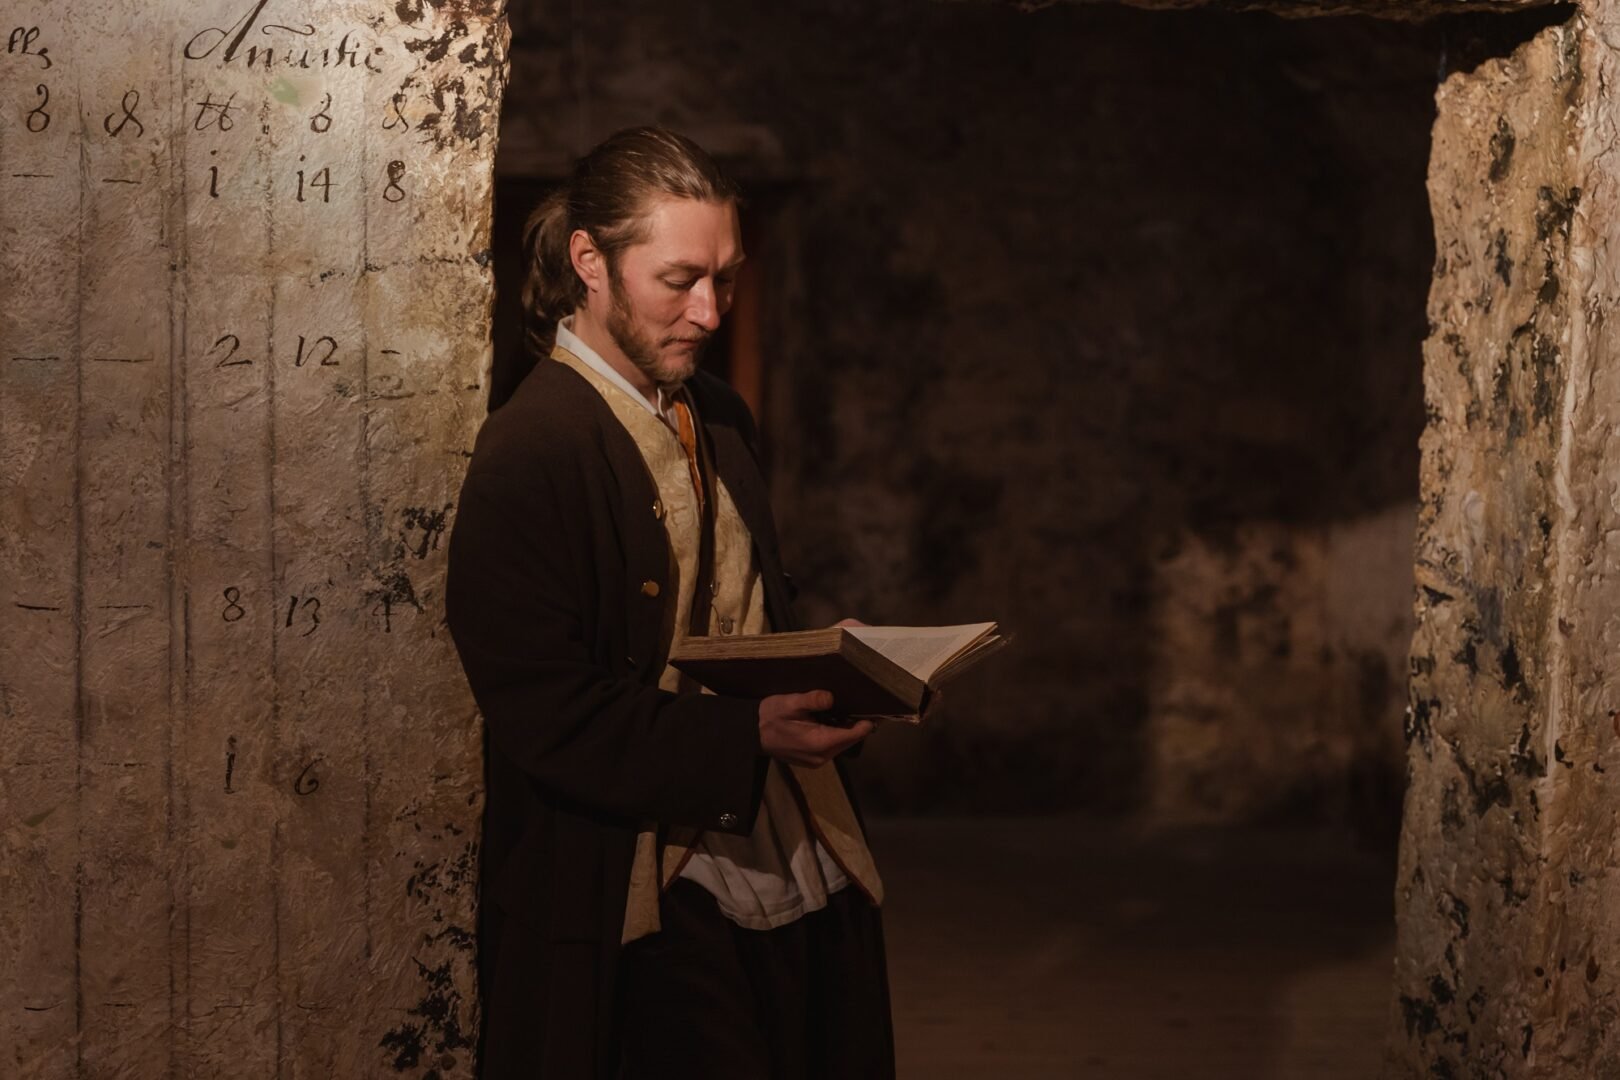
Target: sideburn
{"type": "Point", "coordinates": [621, 327]}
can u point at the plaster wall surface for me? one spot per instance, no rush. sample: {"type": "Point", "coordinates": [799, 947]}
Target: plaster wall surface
{"type": "Point", "coordinates": [1504, 899]}
{"type": "Point", "coordinates": [244, 285]}
{"type": "Point", "coordinates": [1576, 1022]}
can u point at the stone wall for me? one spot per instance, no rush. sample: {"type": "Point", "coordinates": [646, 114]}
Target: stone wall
{"type": "Point", "coordinates": [1099, 322]}
{"type": "Point", "coordinates": [243, 293]}
{"type": "Point", "coordinates": [1506, 899]}
{"type": "Point", "coordinates": [1503, 199]}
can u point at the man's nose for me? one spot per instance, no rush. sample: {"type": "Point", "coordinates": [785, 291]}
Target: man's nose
{"type": "Point", "coordinates": [704, 308]}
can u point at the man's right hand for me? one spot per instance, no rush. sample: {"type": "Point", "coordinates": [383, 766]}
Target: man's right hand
{"type": "Point", "coordinates": [789, 730]}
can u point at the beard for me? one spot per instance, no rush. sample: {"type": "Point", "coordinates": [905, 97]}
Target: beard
{"type": "Point", "coordinates": [646, 351]}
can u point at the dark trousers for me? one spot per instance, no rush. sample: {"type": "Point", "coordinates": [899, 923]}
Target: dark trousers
{"type": "Point", "coordinates": [707, 998]}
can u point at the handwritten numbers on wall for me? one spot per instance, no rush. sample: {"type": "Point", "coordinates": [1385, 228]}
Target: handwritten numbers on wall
{"type": "Point", "coordinates": [227, 354]}
{"type": "Point", "coordinates": [311, 353]}
{"type": "Point", "coordinates": [321, 352]}
{"type": "Point", "coordinates": [307, 783]}
{"type": "Point", "coordinates": [393, 118]}
{"type": "Point", "coordinates": [393, 192]}
{"type": "Point", "coordinates": [218, 114]}
{"type": "Point", "coordinates": [38, 119]}
{"type": "Point", "coordinates": [385, 608]}
{"type": "Point", "coordinates": [321, 122]}
{"type": "Point", "coordinates": [131, 100]}
{"type": "Point", "coordinates": [302, 610]}
{"type": "Point", "coordinates": [321, 179]}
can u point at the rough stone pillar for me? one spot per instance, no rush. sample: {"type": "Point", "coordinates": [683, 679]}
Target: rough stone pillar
{"type": "Point", "coordinates": [245, 296]}
{"type": "Point", "coordinates": [1508, 960]}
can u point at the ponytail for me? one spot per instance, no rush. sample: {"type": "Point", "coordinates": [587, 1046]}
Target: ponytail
{"type": "Point", "coordinates": [552, 290]}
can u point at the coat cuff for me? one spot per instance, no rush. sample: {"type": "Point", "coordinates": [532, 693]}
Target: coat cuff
{"type": "Point", "coordinates": [739, 765]}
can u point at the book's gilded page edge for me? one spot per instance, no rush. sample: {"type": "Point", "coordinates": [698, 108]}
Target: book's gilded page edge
{"type": "Point", "coordinates": [970, 658]}
{"type": "Point", "coordinates": [722, 647]}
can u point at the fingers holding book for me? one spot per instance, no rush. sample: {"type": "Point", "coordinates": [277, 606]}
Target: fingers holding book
{"type": "Point", "coordinates": [793, 729]}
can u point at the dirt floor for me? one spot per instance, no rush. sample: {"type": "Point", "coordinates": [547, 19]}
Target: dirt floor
{"type": "Point", "coordinates": [1035, 948]}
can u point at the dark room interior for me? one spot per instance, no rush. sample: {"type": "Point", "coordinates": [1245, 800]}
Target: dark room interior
{"type": "Point", "coordinates": [1105, 324]}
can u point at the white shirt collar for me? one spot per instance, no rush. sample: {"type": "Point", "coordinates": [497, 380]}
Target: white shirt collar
{"type": "Point", "coordinates": [574, 344]}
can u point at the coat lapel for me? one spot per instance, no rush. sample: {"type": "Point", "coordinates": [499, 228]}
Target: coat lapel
{"type": "Point", "coordinates": [642, 540]}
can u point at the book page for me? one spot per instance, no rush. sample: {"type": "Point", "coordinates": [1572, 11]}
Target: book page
{"type": "Point", "coordinates": [921, 650]}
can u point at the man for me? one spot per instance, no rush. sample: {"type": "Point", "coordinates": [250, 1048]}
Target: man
{"type": "Point", "coordinates": [673, 883]}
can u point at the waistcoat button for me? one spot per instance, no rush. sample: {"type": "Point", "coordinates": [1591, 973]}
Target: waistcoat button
{"type": "Point", "coordinates": [728, 821]}
{"type": "Point", "coordinates": [658, 509]}
{"type": "Point", "coordinates": [649, 587]}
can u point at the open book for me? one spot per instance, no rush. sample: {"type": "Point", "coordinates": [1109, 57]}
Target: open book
{"type": "Point", "coordinates": [871, 671]}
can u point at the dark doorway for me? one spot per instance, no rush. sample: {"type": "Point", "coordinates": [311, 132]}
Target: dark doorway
{"type": "Point", "coordinates": [1106, 324]}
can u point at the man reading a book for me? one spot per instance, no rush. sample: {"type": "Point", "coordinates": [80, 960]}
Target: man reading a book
{"type": "Point", "coordinates": [674, 883]}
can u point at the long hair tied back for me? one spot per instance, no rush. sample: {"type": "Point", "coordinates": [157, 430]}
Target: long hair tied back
{"type": "Point", "coordinates": [606, 195]}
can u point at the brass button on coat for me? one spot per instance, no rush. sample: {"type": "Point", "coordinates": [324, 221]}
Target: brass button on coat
{"type": "Point", "coordinates": [658, 509]}
{"type": "Point", "coordinates": [728, 821]}
{"type": "Point", "coordinates": [649, 587]}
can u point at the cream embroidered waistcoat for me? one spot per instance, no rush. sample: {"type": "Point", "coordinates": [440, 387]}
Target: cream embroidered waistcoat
{"type": "Point", "coordinates": [738, 607]}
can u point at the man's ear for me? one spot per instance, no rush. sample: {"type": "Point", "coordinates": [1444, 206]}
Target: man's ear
{"type": "Point", "coordinates": [588, 261]}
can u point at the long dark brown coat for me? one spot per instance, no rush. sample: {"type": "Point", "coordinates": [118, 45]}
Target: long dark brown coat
{"type": "Point", "coordinates": [559, 585]}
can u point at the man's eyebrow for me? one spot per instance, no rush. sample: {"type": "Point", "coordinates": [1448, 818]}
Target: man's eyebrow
{"type": "Point", "coordinates": [694, 268]}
